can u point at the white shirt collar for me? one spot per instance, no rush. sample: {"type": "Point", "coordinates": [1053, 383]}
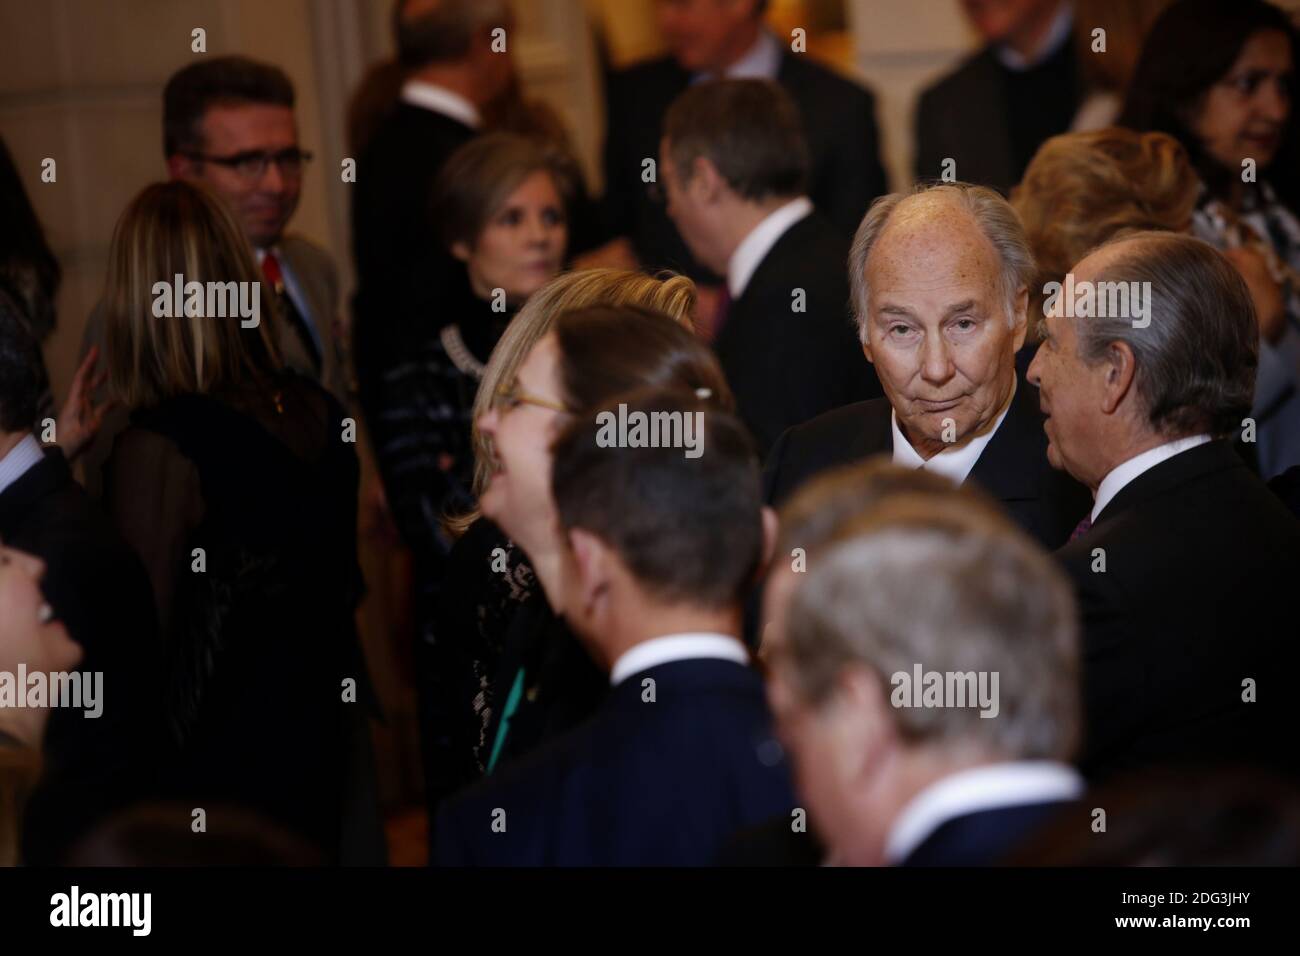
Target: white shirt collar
{"type": "Point", "coordinates": [441, 100]}
{"type": "Point", "coordinates": [762, 61]}
{"type": "Point", "coordinates": [1016, 783]}
{"type": "Point", "coordinates": [1120, 476]}
{"type": "Point", "coordinates": [24, 456]}
{"type": "Point", "coordinates": [676, 647]}
{"type": "Point", "coordinates": [954, 463]}
{"type": "Point", "coordinates": [1057, 34]}
{"type": "Point", "coordinates": [753, 249]}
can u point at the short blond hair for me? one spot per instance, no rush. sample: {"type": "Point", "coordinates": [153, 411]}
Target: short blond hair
{"type": "Point", "coordinates": [1081, 189]}
{"type": "Point", "coordinates": [673, 295]}
{"type": "Point", "coordinates": [169, 229]}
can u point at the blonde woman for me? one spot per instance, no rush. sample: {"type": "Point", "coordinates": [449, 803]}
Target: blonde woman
{"type": "Point", "coordinates": [236, 483]}
{"type": "Point", "coordinates": [492, 586]}
{"type": "Point", "coordinates": [1080, 189]}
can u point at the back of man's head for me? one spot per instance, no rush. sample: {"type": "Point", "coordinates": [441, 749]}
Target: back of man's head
{"type": "Point", "coordinates": [442, 31]}
{"type": "Point", "coordinates": [923, 587]}
{"type": "Point", "coordinates": [22, 379]}
{"type": "Point", "coordinates": [670, 482]}
{"type": "Point", "coordinates": [750, 130]}
{"type": "Point", "coordinates": [1197, 351]}
{"type": "Point", "coordinates": [221, 81]}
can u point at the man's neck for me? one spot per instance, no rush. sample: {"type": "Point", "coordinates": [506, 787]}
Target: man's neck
{"type": "Point", "coordinates": [1126, 449]}
{"type": "Point", "coordinates": [743, 217]}
{"type": "Point", "coordinates": [455, 78]}
{"type": "Point", "coordinates": [742, 41]}
{"type": "Point", "coordinates": [649, 621]}
{"type": "Point", "coordinates": [1027, 39]}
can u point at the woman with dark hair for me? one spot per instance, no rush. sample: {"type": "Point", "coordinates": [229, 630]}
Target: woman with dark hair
{"type": "Point", "coordinates": [28, 270]}
{"type": "Point", "coordinates": [1218, 77]}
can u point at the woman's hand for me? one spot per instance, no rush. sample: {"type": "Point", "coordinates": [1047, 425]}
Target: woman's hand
{"type": "Point", "coordinates": [80, 418]}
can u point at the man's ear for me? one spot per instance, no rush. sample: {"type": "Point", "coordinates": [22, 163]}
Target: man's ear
{"type": "Point", "coordinates": [592, 566]}
{"type": "Point", "coordinates": [180, 167]}
{"type": "Point", "coordinates": [1120, 370]}
{"type": "Point", "coordinates": [1021, 326]}
{"type": "Point", "coordinates": [866, 350]}
{"type": "Point", "coordinates": [707, 183]}
{"type": "Point", "coordinates": [770, 527]}
{"type": "Point", "coordinates": [461, 250]}
{"type": "Point", "coordinates": [864, 729]}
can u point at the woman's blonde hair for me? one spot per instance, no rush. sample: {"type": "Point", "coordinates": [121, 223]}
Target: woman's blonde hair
{"type": "Point", "coordinates": [673, 295]}
{"type": "Point", "coordinates": [170, 229]}
{"type": "Point", "coordinates": [1081, 189]}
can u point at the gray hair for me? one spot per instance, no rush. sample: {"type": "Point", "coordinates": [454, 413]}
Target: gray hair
{"type": "Point", "coordinates": [957, 595]}
{"type": "Point", "coordinates": [994, 216]}
{"type": "Point", "coordinates": [445, 31]}
{"type": "Point", "coordinates": [1197, 355]}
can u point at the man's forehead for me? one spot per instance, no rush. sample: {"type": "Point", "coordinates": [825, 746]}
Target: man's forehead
{"type": "Point", "coordinates": [933, 243]}
{"type": "Point", "coordinates": [249, 125]}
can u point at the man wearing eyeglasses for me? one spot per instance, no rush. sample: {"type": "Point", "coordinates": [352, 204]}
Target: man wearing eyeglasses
{"type": "Point", "coordinates": [228, 123]}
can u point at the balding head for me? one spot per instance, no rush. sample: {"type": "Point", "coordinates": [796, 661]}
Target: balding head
{"type": "Point", "coordinates": [940, 284]}
{"type": "Point", "coordinates": [441, 31]}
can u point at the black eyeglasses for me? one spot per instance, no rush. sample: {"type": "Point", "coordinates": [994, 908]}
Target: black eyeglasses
{"type": "Point", "coordinates": [253, 163]}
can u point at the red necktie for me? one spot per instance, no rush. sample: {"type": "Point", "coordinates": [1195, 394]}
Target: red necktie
{"type": "Point", "coordinates": [1082, 528]}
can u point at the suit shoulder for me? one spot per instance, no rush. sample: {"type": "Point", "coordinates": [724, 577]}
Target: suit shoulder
{"type": "Point", "coordinates": [800, 73]}
{"type": "Point", "coordinates": [839, 422]}
{"type": "Point", "coordinates": [955, 86]}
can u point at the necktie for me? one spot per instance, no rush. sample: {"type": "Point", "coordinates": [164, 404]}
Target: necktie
{"type": "Point", "coordinates": [720, 313]}
{"type": "Point", "coordinates": [274, 276]}
{"type": "Point", "coordinates": [1082, 528]}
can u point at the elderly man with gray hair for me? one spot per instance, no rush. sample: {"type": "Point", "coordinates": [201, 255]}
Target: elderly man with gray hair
{"type": "Point", "coordinates": [940, 284]}
{"type": "Point", "coordinates": [1185, 566]}
{"type": "Point", "coordinates": [931, 716]}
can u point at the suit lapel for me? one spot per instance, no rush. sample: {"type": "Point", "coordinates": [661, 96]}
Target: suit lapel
{"type": "Point", "coordinates": [1011, 464]}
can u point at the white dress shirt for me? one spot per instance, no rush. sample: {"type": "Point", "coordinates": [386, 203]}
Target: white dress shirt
{"type": "Point", "coordinates": [24, 456]}
{"type": "Point", "coordinates": [1057, 35]}
{"type": "Point", "coordinates": [677, 647]}
{"type": "Point", "coordinates": [954, 462]}
{"type": "Point", "coordinates": [762, 61]}
{"type": "Point", "coordinates": [1120, 476]}
{"type": "Point", "coordinates": [1017, 783]}
{"type": "Point", "coordinates": [753, 249]}
{"type": "Point", "coordinates": [439, 99]}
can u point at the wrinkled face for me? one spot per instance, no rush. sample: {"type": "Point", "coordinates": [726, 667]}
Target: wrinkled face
{"type": "Point", "coordinates": [518, 497]}
{"type": "Point", "coordinates": [937, 325]}
{"type": "Point", "coordinates": [262, 204]}
{"type": "Point", "coordinates": [522, 246]}
{"type": "Point", "coordinates": [702, 33]}
{"type": "Point", "coordinates": [29, 634]}
{"type": "Point", "coordinates": [1071, 392]}
{"type": "Point", "coordinates": [996, 20]}
{"type": "Point", "coordinates": [1243, 115]}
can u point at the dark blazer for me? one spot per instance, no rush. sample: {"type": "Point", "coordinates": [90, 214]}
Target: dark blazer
{"type": "Point", "coordinates": [1287, 487]}
{"type": "Point", "coordinates": [1013, 467]}
{"type": "Point", "coordinates": [1201, 565]}
{"type": "Point", "coordinates": [839, 119]}
{"type": "Point", "coordinates": [402, 269]}
{"type": "Point", "coordinates": [785, 366]}
{"type": "Point", "coordinates": [984, 838]}
{"type": "Point", "coordinates": [969, 116]}
{"type": "Point", "coordinates": [97, 586]}
{"type": "Point", "coordinates": [660, 782]}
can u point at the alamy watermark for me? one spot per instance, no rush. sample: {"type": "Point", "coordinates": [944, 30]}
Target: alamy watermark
{"type": "Point", "coordinates": [640, 429]}
{"type": "Point", "coordinates": [960, 689]}
{"type": "Point", "coordinates": [1099, 300]}
{"type": "Point", "coordinates": [208, 300]}
{"type": "Point", "coordinates": [39, 689]}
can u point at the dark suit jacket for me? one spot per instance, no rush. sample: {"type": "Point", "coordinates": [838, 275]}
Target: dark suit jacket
{"type": "Point", "coordinates": [1201, 565]}
{"type": "Point", "coordinates": [402, 269]}
{"type": "Point", "coordinates": [1287, 487]}
{"type": "Point", "coordinates": [785, 366]}
{"type": "Point", "coordinates": [1013, 467]}
{"type": "Point", "coordinates": [984, 838]}
{"type": "Point", "coordinates": [660, 782]}
{"type": "Point", "coordinates": [839, 123]}
{"type": "Point", "coordinates": [97, 586]}
{"type": "Point", "coordinates": [966, 116]}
